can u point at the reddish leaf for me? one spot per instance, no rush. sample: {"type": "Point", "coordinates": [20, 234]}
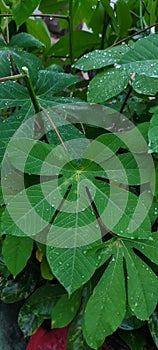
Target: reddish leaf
{"type": "Point", "coordinates": [49, 340]}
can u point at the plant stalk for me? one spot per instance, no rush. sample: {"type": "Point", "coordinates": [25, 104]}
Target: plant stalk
{"type": "Point", "coordinates": [125, 100]}
{"type": "Point", "coordinates": [71, 42]}
{"type": "Point", "coordinates": [134, 34]}
{"type": "Point", "coordinates": [31, 90]}
{"type": "Point", "coordinates": [13, 77]}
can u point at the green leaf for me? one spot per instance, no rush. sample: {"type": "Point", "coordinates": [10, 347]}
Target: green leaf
{"type": "Point", "coordinates": [153, 326]}
{"type": "Point", "coordinates": [145, 85]}
{"type": "Point", "coordinates": [16, 252]}
{"type": "Point", "coordinates": [75, 340]}
{"type": "Point", "coordinates": [142, 57]}
{"type": "Point", "coordinates": [20, 58]}
{"type": "Point", "coordinates": [19, 288]}
{"type": "Point", "coordinates": [153, 132]}
{"type": "Point", "coordinates": [3, 268]}
{"type": "Point", "coordinates": [126, 264]}
{"type": "Point", "coordinates": [12, 95]}
{"type": "Point", "coordinates": [83, 41]}
{"type": "Point", "coordinates": [65, 310]}
{"type": "Point", "coordinates": [9, 126]}
{"type": "Point", "coordinates": [137, 168]}
{"type": "Point", "coordinates": [84, 11]}
{"type": "Point", "coordinates": [129, 324]}
{"type": "Point", "coordinates": [142, 284]}
{"type": "Point", "coordinates": [51, 7]}
{"type": "Point", "coordinates": [24, 40]}
{"type": "Point", "coordinates": [104, 304]}
{"type": "Point", "coordinates": [124, 18]}
{"type": "Point", "coordinates": [136, 340]}
{"type": "Point", "coordinates": [39, 30]}
{"type": "Point", "coordinates": [41, 302]}
{"type": "Point", "coordinates": [28, 322]}
{"type": "Point", "coordinates": [79, 266]}
{"type": "Point", "coordinates": [50, 83]}
{"type": "Point", "coordinates": [107, 84]}
{"type": "Point", "coordinates": [101, 58]}
{"type": "Point", "coordinates": [1, 197]}
{"type": "Point", "coordinates": [23, 9]}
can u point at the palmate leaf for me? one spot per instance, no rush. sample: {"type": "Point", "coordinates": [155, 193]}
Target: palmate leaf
{"type": "Point", "coordinates": [124, 221]}
{"type": "Point", "coordinates": [74, 229]}
{"type": "Point", "coordinates": [20, 58]}
{"type": "Point", "coordinates": [104, 302]}
{"type": "Point", "coordinates": [142, 285]}
{"type": "Point", "coordinates": [13, 94]}
{"type": "Point", "coordinates": [48, 84]}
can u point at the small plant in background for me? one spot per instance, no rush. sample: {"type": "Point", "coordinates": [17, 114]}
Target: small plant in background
{"type": "Point", "coordinates": [102, 291]}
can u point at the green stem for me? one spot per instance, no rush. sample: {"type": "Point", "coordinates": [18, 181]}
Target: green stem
{"type": "Point", "coordinates": [31, 90]}
{"type": "Point", "coordinates": [141, 14]}
{"type": "Point", "coordinates": [105, 24]}
{"type": "Point", "coordinates": [151, 11]}
{"type": "Point", "coordinates": [71, 47]}
{"type": "Point", "coordinates": [125, 100]}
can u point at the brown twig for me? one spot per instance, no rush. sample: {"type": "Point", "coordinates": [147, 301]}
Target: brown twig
{"type": "Point", "coordinates": [132, 35]}
{"type": "Point", "coordinates": [55, 128]}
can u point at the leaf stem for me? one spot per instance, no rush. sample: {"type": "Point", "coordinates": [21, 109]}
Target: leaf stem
{"type": "Point", "coordinates": [105, 24]}
{"type": "Point", "coordinates": [104, 230]}
{"type": "Point", "coordinates": [71, 41]}
{"type": "Point", "coordinates": [55, 128]}
{"type": "Point", "coordinates": [126, 99]}
{"type": "Point", "coordinates": [141, 14]}
{"type": "Point", "coordinates": [13, 77]}
{"type": "Point", "coordinates": [31, 90]}
{"type": "Point", "coordinates": [57, 211]}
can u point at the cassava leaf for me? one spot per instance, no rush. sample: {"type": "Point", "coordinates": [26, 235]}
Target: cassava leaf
{"type": "Point", "coordinates": [104, 304]}
{"type": "Point", "coordinates": [19, 58]}
{"type": "Point", "coordinates": [79, 266]}
{"type": "Point", "coordinates": [141, 288]}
